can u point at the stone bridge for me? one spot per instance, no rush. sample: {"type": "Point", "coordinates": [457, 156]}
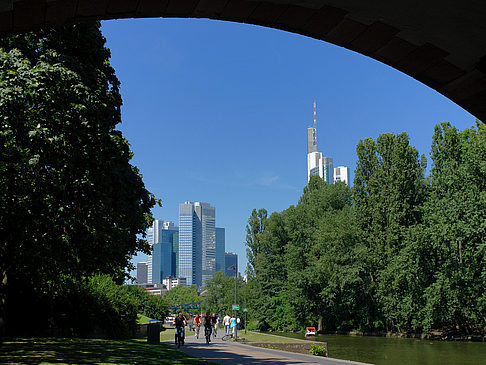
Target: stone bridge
{"type": "Point", "coordinates": [441, 43]}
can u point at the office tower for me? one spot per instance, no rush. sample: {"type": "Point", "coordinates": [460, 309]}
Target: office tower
{"type": "Point", "coordinates": [175, 251]}
{"type": "Point", "coordinates": [220, 247]}
{"type": "Point", "coordinates": [153, 237]}
{"type": "Point", "coordinates": [142, 271]}
{"type": "Point", "coordinates": [341, 173]}
{"type": "Point", "coordinates": [316, 163]}
{"type": "Point", "coordinates": [197, 242]}
{"type": "Point", "coordinates": [163, 255]}
{"type": "Point", "coordinates": [230, 260]}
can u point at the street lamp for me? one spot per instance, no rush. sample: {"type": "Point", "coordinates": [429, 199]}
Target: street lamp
{"type": "Point", "coordinates": [233, 267]}
{"type": "Point", "coordinates": [246, 280]}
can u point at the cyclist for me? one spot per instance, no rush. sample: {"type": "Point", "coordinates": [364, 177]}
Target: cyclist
{"type": "Point", "coordinates": [207, 327]}
{"type": "Point", "coordinates": [179, 323]}
{"type": "Point", "coordinates": [197, 322]}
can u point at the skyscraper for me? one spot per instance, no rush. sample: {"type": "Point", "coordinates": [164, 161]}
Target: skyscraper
{"type": "Point", "coordinates": [230, 260]}
{"type": "Point", "coordinates": [220, 247]}
{"type": "Point", "coordinates": [197, 242]}
{"type": "Point", "coordinates": [316, 163]}
{"type": "Point", "coordinates": [341, 173]}
{"type": "Point", "coordinates": [161, 263]}
{"type": "Point", "coordinates": [163, 255]}
{"type": "Point", "coordinates": [142, 270]}
{"type": "Point", "coordinates": [153, 237]}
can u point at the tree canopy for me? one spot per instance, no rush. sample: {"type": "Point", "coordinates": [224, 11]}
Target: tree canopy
{"type": "Point", "coordinates": [71, 203]}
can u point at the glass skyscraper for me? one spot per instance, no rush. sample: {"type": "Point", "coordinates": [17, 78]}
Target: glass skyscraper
{"type": "Point", "coordinates": [220, 247]}
{"type": "Point", "coordinates": [197, 242]}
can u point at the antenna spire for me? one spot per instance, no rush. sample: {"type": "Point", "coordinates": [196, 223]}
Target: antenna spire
{"type": "Point", "coordinates": [314, 114]}
{"type": "Point", "coordinates": [314, 134]}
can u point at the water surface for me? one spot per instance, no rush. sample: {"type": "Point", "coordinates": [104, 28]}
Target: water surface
{"type": "Point", "coordinates": [403, 351]}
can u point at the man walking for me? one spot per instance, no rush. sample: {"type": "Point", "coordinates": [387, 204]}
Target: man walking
{"type": "Point", "coordinates": [226, 323]}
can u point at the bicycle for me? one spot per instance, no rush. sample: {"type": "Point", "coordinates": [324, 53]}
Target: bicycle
{"type": "Point", "coordinates": [179, 336]}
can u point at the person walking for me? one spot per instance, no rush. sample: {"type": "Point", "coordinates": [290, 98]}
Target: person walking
{"type": "Point", "coordinates": [233, 325]}
{"type": "Point", "coordinates": [214, 322]}
{"type": "Point", "coordinates": [238, 323]}
{"type": "Point", "coordinates": [226, 323]}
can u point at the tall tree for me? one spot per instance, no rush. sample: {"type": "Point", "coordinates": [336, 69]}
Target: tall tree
{"type": "Point", "coordinates": [71, 203]}
{"type": "Point", "coordinates": [454, 230]}
{"type": "Point", "coordinates": [389, 188]}
{"type": "Point", "coordinates": [254, 228]}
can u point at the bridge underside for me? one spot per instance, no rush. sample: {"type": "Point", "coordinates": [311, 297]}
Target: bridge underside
{"type": "Point", "coordinates": [440, 43]}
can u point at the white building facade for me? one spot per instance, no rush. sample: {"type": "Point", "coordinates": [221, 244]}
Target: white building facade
{"type": "Point", "coordinates": [341, 173]}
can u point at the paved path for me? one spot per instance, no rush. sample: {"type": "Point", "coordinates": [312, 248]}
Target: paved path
{"type": "Point", "coordinates": [230, 353]}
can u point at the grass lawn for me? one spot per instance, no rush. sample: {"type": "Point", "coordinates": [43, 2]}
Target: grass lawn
{"type": "Point", "coordinates": [142, 319]}
{"type": "Point", "coordinates": [265, 337]}
{"type": "Point", "coordinates": [89, 351]}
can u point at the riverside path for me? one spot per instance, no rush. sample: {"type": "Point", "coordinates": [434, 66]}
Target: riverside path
{"type": "Point", "coordinates": [225, 352]}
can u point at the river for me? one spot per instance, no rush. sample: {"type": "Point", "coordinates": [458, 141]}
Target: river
{"type": "Point", "coordinates": [401, 351]}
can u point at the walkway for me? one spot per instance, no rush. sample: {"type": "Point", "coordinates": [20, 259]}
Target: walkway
{"type": "Point", "coordinates": [221, 352]}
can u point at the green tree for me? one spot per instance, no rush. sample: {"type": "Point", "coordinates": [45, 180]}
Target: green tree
{"type": "Point", "coordinates": [71, 203]}
{"type": "Point", "coordinates": [182, 295]}
{"type": "Point", "coordinates": [254, 228]}
{"type": "Point", "coordinates": [389, 189]}
{"type": "Point", "coordinates": [454, 229]}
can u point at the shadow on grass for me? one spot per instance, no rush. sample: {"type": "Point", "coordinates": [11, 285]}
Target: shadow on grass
{"type": "Point", "coordinates": [89, 351]}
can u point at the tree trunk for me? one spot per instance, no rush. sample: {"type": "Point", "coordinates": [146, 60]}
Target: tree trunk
{"type": "Point", "coordinates": [319, 324]}
{"type": "Point", "coordinates": [3, 303]}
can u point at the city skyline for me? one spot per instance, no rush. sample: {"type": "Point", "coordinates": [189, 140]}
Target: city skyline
{"type": "Point", "coordinates": [245, 92]}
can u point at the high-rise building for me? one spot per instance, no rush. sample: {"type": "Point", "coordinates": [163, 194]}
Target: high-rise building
{"type": "Point", "coordinates": [316, 163]}
{"type": "Point", "coordinates": [197, 242]}
{"type": "Point", "coordinates": [230, 261]}
{"type": "Point", "coordinates": [161, 262]}
{"type": "Point", "coordinates": [220, 247]}
{"type": "Point", "coordinates": [153, 237]}
{"type": "Point", "coordinates": [142, 271]}
{"type": "Point", "coordinates": [163, 255]}
{"type": "Point", "coordinates": [341, 173]}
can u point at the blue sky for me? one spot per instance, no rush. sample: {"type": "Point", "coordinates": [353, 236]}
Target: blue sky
{"type": "Point", "coordinates": [217, 112]}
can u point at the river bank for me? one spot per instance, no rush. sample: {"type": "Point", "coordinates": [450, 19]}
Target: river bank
{"type": "Point", "coordinates": [433, 335]}
{"type": "Point", "coordinates": [381, 350]}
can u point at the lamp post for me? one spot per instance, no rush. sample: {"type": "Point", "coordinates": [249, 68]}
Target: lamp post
{"type": "Point", "coordinates": [233, 267]}
{"type": "Point", "coordinates": [246, 280]}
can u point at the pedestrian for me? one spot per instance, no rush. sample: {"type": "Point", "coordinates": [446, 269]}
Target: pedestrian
{"type": "Point", "coordinates": [214, 321]}
{"type": "Point", "coordinates": [238, 323]}
{"type": "Point", "coordinates": [226, 323]}
{"type": "Point", "coordinates": [233, 325]}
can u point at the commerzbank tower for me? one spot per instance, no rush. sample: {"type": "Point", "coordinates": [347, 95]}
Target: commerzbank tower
{"type": "Point", "coordinates": [316, 163]}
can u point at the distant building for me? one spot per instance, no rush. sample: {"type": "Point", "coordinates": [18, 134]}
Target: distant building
{"type": "Point", "coordinates": [317, 165]}
{"type": "Point", "coordinates": [341, 173]}
{"type": "Point", "coordinates": [162, 261]}
{"type": "Point", "coordinates": [230, 260]}
{"type": "Point", "coordinates": [142, 273]}
{"type": "Point", "coordinates": [197, 242]}
{"type": "Point", "coordinates": [171, 283]}
{"type": "Point", "coordinates": [163, 255]}
{"type": "Point", "coordinates": [220, 248]}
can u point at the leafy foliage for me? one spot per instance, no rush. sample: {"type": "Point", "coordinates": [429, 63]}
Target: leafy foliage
{"type": "Point", "coordinates": [398, 252]}
{"type": "Point", "coordinates": [71, 203]}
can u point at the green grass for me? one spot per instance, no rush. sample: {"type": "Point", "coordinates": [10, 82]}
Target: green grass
{"type": "Point", "coordinates": [264, 337]}
{"type": "Point", "coordinates": [89, 351]}
{"type": "Point", "coordinates": [142, 319]}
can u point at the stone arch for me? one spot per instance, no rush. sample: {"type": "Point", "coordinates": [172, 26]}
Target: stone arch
{"type": "Point", "coordinates": [441, 44]}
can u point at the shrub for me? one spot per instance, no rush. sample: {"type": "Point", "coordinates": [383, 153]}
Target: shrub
{"type": "Point", "coordinates": [317, 350]}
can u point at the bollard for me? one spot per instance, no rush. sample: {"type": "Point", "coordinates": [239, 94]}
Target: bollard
{"type": "Point", "coordinates": [153, 333]}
